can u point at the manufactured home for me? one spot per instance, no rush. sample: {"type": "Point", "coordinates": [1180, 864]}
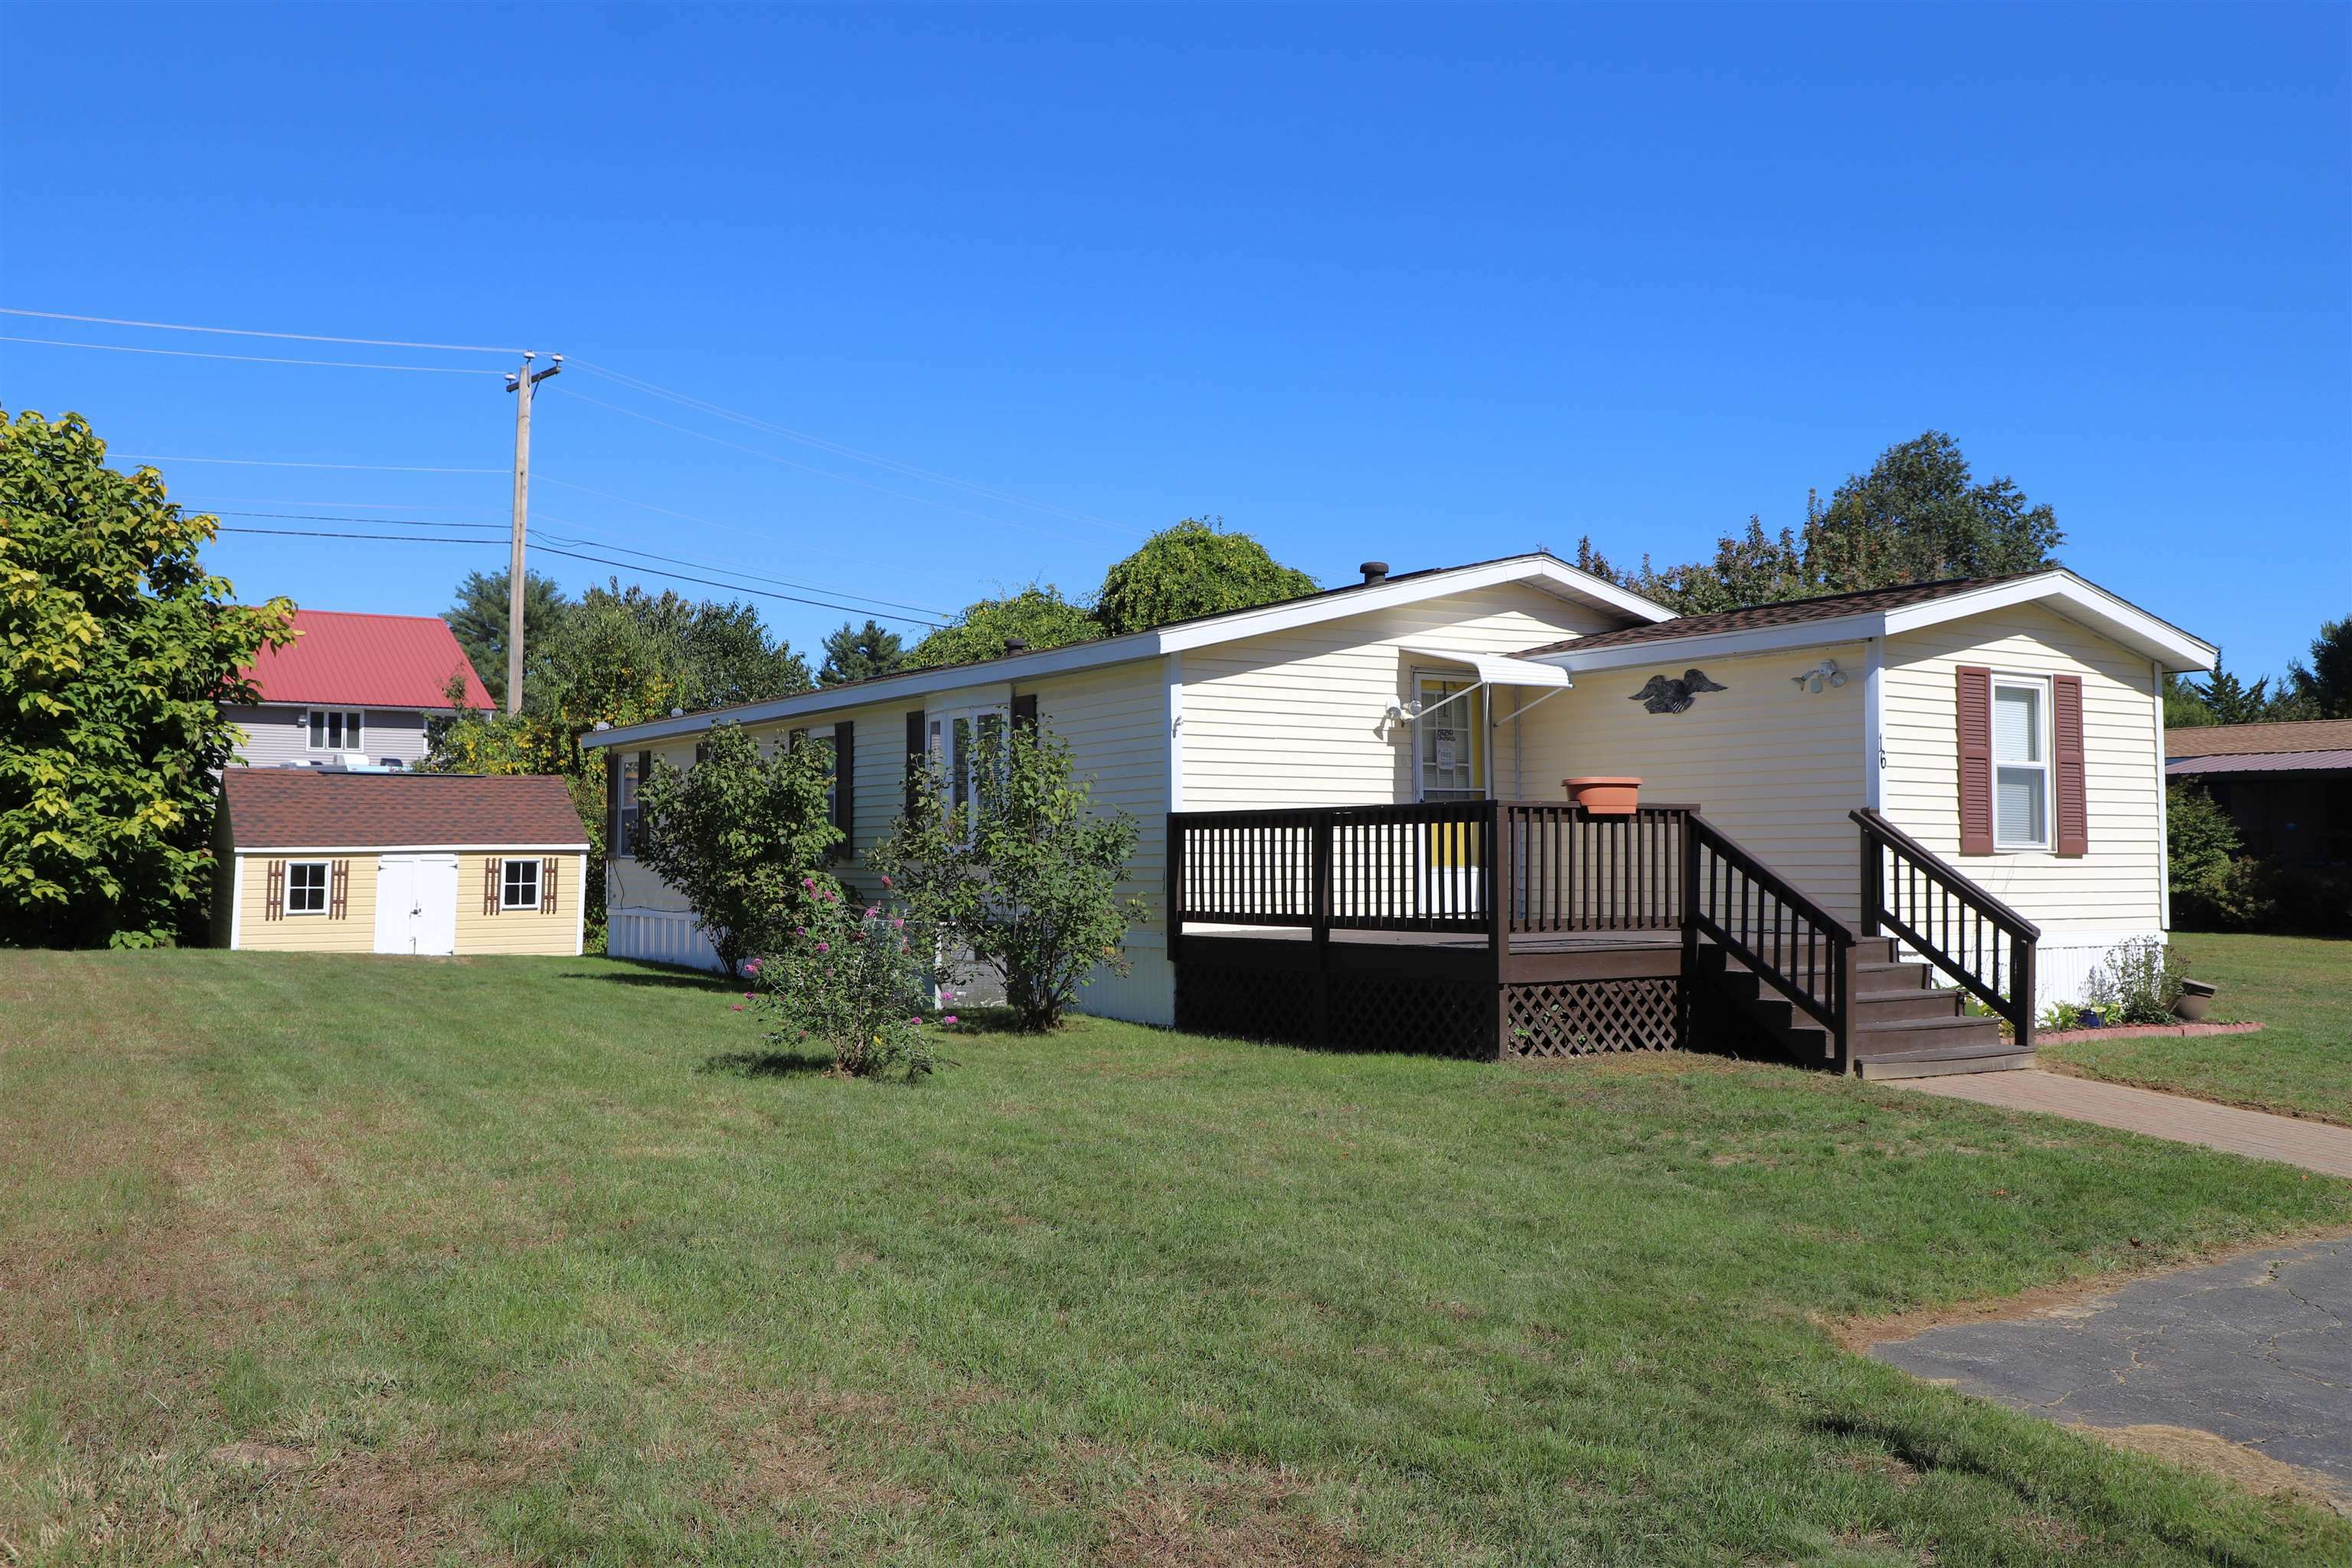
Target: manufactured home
{"type": "Point", "coordinates": [1856, 815]}
{"type": "Point", "coordinates": [329, 860]}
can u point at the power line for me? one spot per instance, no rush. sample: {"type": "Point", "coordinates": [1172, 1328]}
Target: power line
{"type": "Point", "coordinates": [330, 517]}
{"type": "Point", "coordinates": [597, 560]}
{"type": "Point", "coordinates": [851, 452]}
{"type": "Point", "coordinates": [827, 473]}
{"type": "Point", "coordinates": [248, 332]}
{"type": "Point", "coordinates": [734, 571]}
{"type": "Point", "coordinates": [250, 359]}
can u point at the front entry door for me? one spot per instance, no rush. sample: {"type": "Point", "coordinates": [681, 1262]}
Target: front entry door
{"type": "Point", "coordinates": [1449, 764]}
{"type": "Point", "coordinates": [416, 904]}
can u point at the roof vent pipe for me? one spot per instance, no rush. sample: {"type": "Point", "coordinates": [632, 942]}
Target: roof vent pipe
{"type": "Point", "coordinates": [1374, 572]}
{"type": "Point", "coordinates": [1016, 644]}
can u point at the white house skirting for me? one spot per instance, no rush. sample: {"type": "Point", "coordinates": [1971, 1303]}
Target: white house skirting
{"type": "Point", "coordinates": [661, 936]}
{"type": "Point", "coordinates": [2063, 963]}
{"type": "Point", "coordinates": [1145, 995]}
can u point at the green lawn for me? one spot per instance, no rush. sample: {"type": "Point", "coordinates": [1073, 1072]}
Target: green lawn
{"type": "Point", "coordinates": [2299, 987]}
{"type": "Point", "coordinates": [308, 1260]}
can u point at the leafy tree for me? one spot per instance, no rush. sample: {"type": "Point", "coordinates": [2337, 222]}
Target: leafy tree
{"type": "Point", "coordinates": [479, 620]}
{"type": "Point", "coordinates": [859, 653]}
{"type": "Point", "coordinates": [1024, 878]}
{"type": "Point", "coordinates": [117, 650]}
{"type": "Point", "coordinates": [1918, 516]}
{"type": "Point", "coordinates": [1037, 615]}
{"type": "Point", "coordinates": [712, 654]}
{"type": "Point", "coordinates": [1194, 568]}
{"type": "Point", "coordinates": [2323, 688]}
{"type": "Point", "coordinates": [2184, 704]}
{"type": "Point", "coordinates": [736, 834]}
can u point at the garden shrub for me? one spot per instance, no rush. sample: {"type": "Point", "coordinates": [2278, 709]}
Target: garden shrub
{"type": "Point", "coordinates": [2137, 983]}
{"type": "Point", "coordinates": [854, 979]}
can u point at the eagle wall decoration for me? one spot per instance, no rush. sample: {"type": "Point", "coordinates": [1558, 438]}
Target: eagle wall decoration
{"type": "Point", "coordinates": [1664, 694]}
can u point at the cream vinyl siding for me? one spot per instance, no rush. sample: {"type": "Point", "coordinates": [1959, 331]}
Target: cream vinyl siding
{"type": "Point", "coordinates": [1294, 718]}
{"type": "Point", "coordinates": [513, 931]}
{"type": "Point", "coordinates": [2118, 885]}
{"type": "Point", "coordinates": [355, 932]}
{"type": "Point", "coordinates": [1114, 719]}
{"type": "Point", "coordinates": [1775, 766]}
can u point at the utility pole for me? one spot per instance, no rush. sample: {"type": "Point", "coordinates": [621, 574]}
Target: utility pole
{"type": "Point", "coordinates": [521, 384]}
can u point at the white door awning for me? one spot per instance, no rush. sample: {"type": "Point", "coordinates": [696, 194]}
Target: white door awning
{"type": "Point", "coordinates": [1498, 668]}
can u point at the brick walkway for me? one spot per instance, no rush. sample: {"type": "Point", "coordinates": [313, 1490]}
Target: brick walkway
{"type": "Point", "coordinates": [2314, 1145]}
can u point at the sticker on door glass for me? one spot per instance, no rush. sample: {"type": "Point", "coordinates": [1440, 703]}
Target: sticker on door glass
{"type": "Point", "coordinates": [1446, 754]}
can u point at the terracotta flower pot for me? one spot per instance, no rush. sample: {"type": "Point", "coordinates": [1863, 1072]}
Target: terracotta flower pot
{"type": "Point", "coordinates": [1605, 795]}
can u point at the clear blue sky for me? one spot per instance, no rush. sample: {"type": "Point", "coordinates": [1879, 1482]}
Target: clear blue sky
{"type": "Point", "coordinates": [1427, 284]}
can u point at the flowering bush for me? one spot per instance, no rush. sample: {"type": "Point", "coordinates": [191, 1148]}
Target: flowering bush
{"type": "Point", "coordinates": [852, 979]}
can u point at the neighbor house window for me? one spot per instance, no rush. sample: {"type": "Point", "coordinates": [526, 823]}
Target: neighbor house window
{"type": "Point", "coordinates": [2021, 758]}
{"type": "Point", "coordinates": [306, 887]}
{"type": "Point", "coordinates": [520, 888]}
{"type": "Point", "coordinates": [335, 730]}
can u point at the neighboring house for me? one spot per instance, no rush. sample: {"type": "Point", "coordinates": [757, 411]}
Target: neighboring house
{"type": "Point", "coordinates": [2287, 786]}
{"type": "Point", "coordinates": [324, 860]}
{"type": "Point", "coordinates": [1382, 764]}
{"type": "Point", "coordinates": [353, 690]}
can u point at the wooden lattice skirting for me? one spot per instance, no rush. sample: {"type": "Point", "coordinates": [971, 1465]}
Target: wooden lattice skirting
{"type": "Point", "coordinates": [1357, 1011]}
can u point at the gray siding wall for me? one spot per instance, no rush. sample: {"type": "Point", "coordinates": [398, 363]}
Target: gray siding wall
{"type": "Point", "coordinates": [273, 738]}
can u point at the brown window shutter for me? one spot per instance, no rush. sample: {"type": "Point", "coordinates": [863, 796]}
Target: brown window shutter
{"type": "Point", "coordinates": [844, 784]}
{"type": "Point", "coordinates": [339, 890]}
{"type": "Point", "coordinates": [1975, 713]}
{"type": "Point", "coordinates": [2066, 753]}
{"type": "Point", "coordinates": [915, 743]}
{"type": "Point", "coordinates": [273, 895]}
{"type": "Point", "coordinates": [1025, 712]}
{"type": "Point", "coordinates": [547, 886]}
{"type": "Point", "coordinates": [490, 885]}
{"type": "Point", "coordinates": [612, 801]}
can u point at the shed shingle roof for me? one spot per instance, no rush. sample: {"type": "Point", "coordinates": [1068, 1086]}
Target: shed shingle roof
{"type": "Point", "coordinates": [2258, 739]}
{"type": "Point", "coordinates": [1787, 612]}
{"type": "Point", "coordinates": [367, 661]}
{"type": "Point", "coordinates": [319, 808]}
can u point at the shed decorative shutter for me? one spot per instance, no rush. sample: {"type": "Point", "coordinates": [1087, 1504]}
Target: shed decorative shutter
{"type": "Point", "coordinates": [339, 890]}
{"type": "Point", "coordinates": [915, 743]}
{"type": "Point", "coordinates": [547, 886]}
{"type": "Point", "coordinates": [1025, 712]}
{"type": "Point", "coordinates": [2066, 753]}
{"type": "Point", "coordinates": [845, 783]}
{"type": "Point", "coordinates": [490, 869]}
{"type": "Point", "coordinates": [1974, 708]}
{"type": "Point", "coordinates": [273, 896]}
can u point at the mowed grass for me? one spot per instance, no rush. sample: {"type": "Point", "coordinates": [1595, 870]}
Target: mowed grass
{"type": "Point", "coordinates": [313, 1260]}
{"type": "Point", "coordinates": [2300, 1063]}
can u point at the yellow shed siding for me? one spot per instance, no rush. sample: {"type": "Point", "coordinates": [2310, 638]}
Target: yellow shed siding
{"type": "Point", "coordinates": [1294, 718]}
{"type": "Point", "coordinates": [2119, 884]}
{"type": "Point", "coordinates": [355, 932]}
{"type": "Point", "coordinates": [1777, 767]}
{"type": "Point", "coordinates": [520, 930]}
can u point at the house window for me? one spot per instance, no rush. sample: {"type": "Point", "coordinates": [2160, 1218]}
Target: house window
{"type": "Point", "coordinates": [519, 891]}
{"type": "Point", "coordinates": [954, 743]}
{"type": "Point", "coordinates": [2021, 757]}
{"type": "Point", "coordinates": [799, 738]}
{"type": "Point", "coordinates": [335, 730]}
{"type": "Point", "coordinates": [624, 838]}
{"type": "Point", "coordinates": [306, 887]}
{"type": "Point", "coordinates": [1449, 738]}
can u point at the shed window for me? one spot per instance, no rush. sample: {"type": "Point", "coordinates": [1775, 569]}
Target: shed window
{"type": "Point", "coordinates": [2021, 754]}
{"type": "Point", "coordinates": [306, 887]}
{"type": "Point", "coordinates": [520, 888]}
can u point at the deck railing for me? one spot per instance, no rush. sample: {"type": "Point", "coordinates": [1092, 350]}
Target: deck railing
{"type": "Point", "coordinates": [1573, 872]}
{"type": "Point", "coordinates": [1939, 913]}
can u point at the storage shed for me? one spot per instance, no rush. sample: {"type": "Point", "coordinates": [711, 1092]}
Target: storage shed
{"type": "Point", "coordinates": [325, 860]}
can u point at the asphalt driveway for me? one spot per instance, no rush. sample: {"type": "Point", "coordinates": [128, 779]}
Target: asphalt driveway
{"type": "Point", "coordinates": [2257, 1351]}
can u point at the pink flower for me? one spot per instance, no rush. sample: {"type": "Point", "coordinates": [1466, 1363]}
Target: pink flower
{"type": "Point", "coordinates": [872, 912]}
{"type": "Point", "coordinates": [825, 947]}
{"type": "Point", "coordinates": [736, 1008]}
{"type": "Point", "coordinates": [800, 931]}
{"type": "Point", "coordinates": [831, 897]}
{"type": "Point", "coordinates": [752, 967]}
{"type": "Point", "coordinates": [885, 881]}
{"type": "Point", "coordinates": [897, 925]}
{"type": "Point", "coordinates": [747, 996]}
{"type": "Point", "coordinates": [948, 1018]}
{"type": "Point", "coordinates": [809, 883]}
{"type": "Point", "coordinates": [946, 994]}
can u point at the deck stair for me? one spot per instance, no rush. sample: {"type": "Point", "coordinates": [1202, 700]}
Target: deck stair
{"type": "Point", "coordinates": [1905, 1025]}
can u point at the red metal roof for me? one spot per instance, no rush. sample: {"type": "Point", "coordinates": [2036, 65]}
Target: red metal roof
{"type": "Point", "coordinates": [321, 809]}
{"type": "Point", "coordinates": [366, 662]}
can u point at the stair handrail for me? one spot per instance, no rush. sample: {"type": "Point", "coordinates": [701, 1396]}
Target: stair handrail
{"type": "Point", "coordinates": [1826, 994]}
{"type": "Point", "coordinates": [1880, 834]}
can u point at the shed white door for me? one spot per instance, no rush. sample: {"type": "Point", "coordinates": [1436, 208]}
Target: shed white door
{"type": "Point", "coordinates": [416, 903]}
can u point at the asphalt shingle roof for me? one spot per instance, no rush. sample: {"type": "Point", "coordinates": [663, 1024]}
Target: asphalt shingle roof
{"type": "Point", "coordinates": [1787, 612]}
{"type": "Point", "coordinates": [276, 808]}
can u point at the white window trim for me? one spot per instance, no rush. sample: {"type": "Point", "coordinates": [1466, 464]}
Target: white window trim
{"type": "Point", "coordinates": [2040, 686]}
{"type": "Point", "coordinates": [326, 889]}
{"type": "Point", "coordinates": [1473, 702]}
{"type": "Point", "coordinates": [833, 780]}
{"type": "Point", "coordinates": [506, 903]}
{"type": "Point", "coordinates": [354, 730]}
{"type": "Point", "coordinates": [939, 743]}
